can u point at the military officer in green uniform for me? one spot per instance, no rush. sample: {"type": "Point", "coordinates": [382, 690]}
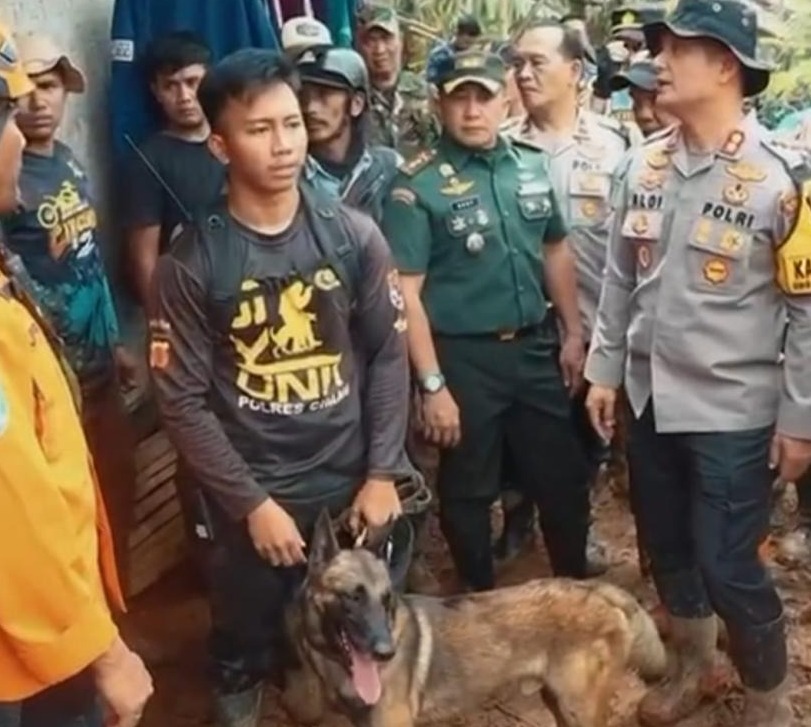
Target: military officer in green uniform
{"type": "Point", "coordinates": [399, 101]}
{"type": "Point", "coordinates": [707, 258]}
{"type": "Point", "coordinates": [479, 240]}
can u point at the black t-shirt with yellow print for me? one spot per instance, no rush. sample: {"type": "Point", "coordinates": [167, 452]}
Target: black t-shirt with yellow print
{"type": "Point", "coordinates": [262, 392]}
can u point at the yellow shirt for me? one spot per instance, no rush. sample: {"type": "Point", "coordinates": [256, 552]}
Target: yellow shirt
{"type": "Point", "coordinates": [55, 545]}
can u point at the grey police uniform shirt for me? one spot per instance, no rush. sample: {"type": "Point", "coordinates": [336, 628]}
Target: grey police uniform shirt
{"type": "Point", "coordinates": [581, 169]}
{"type": "Point", "coordinates": [690, 311]}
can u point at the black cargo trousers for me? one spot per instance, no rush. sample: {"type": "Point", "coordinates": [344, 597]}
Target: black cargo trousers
{"type": "Point", "coordinates": [702, 503]}
{"type": "Point", "coordinates": [248, 596]}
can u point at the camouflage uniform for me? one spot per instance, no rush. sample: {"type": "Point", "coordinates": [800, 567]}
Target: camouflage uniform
{"type": "Point", "coordinates": [402, 119]}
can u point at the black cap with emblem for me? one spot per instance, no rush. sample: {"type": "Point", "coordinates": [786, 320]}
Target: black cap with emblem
{"type": "Point", "coordinates": [730, 22]}
{"type": "Point", "coordinates": [627, 21]}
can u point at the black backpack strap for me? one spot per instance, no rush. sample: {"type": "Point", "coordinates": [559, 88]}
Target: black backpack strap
{"type": "Point", "coordinates": [332, 236]}
{"type": "Point", "coordinates": [224, 253]}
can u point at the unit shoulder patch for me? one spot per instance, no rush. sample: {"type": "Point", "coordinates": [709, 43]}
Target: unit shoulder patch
{"type": "Point", "coordinates": [418, 162]}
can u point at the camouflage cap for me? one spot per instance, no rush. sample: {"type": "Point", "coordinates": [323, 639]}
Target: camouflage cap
{"type": "Point", "coordinates": [476, 66]}
{"type": "Point", "coordinates": [14, 82]}
{"type": "Point", "coordinates": [379, 16]}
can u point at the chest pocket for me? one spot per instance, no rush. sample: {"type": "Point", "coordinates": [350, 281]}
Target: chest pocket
{"type": "Point", "coordinates": [643, 228]}
{"type": "Point", "coordinates": [535, 201]}
{"type": "Point", "coordinates": [589, 193]}
{"type": "Point", "coordinates": [718, 257]}
{"type": "Point", "coordinates": [468, 216]}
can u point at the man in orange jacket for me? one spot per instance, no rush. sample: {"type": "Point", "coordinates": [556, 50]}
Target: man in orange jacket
{"type": "Point", "coordinates": [62, 662]}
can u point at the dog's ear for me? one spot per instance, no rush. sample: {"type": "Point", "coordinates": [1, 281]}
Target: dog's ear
{"type": "Point", "coordinates": [324, 545]}
{"type": "Point", "coordinates": [377, 539]}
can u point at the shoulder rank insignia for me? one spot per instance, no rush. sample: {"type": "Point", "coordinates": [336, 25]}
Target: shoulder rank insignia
{"type": "Point", "coordinates": [733, 143]}
{"type": "Point", "coordinates": [746, 172]}
{"type": "Point", "coordinates": [657, 159]}
{"type": "Point", "coordinates": [418, 162]}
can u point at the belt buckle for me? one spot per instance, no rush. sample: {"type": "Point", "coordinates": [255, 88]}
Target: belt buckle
{"type": "Point", "coordinates": [507, 335]}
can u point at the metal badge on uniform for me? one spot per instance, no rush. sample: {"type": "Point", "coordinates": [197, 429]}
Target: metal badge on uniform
{"type": "Point", "coordinates": [643, 257]}
{"type": "Point", "coordinates": [474, 243]}
{"type": "Point", "coordinates": [651, 179]}
{"type": "Point", "coordinates": [716, 270]}
{"type": "Point", "coordinates": [789, 204]}
{"type": "Point", "coordinates": [591, 183]}
{"type": "Point", "coordinates": [482, 218]}
{"type": "Point", "coordinates": [732, 241]}
{"type": "Point", "coordinates": [745, 172]}
{"type": "Point", "coordinates": [527, 189]}
{"type": "Point", "coordinates": [640, 225]}
{"type": "Point", "coordinates": [736, 194]}
{"type": "Point", "coordinates": [657, 159]}
{"type": "Point", "coordinates": [456, 188]}
{"type": "Point", "coordinates": [446, 170]}
{"type": "Point", "coordinates": [703, 232]}
{"type": "Point", "coordinates": [526, 176]}
{"type": "Point", "coordinates": [458, 223]}
{"type": "Point", "coordinates": [589, 208]}
{"type": "Point", "coordinates": [468, 203]}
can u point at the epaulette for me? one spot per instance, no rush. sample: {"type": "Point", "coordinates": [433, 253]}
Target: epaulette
{"type": "Point", "coordinates": [791, 158]}
{"type": "Point", "coordinates": [610, 123]}
{"type": "Point", "coordinates": [418, 162]}
{"type": "Point", "coordinates": [524, 143]}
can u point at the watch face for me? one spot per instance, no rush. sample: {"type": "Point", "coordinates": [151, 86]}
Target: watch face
{"type": "Point", "coordinates": [432, 383]}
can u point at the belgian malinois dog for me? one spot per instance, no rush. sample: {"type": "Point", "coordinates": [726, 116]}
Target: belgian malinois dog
{"type": "Point", "coordinates": [397, 661]}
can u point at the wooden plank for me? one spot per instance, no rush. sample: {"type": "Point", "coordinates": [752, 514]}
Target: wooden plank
{"type": "Point", "coordinates": [141, 532]}
{"type": "Point", "coordinates": [144, 485]}
{"type": "Point", "coordinates": [146, 506]}
{"type": "Point", "coordinates": [163, 551]}
{"type": "Point", "coordinates": [150, 448]}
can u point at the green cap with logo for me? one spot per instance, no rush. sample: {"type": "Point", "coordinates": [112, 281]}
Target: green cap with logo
{"type": "Point", "coordinates": [481, 67]}
{"type": "Point", "coordinates": [379, 16]}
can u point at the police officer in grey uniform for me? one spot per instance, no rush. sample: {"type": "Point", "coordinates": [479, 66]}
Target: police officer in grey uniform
{"type": "Point", "coordinates": [584, 150]}
{"type": "Point", "coordinates": [704, 263]}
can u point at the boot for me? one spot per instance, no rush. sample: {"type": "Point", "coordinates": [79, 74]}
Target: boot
{"type": "Point", "coordinates": [760, 655]}
{"type": "Point", "coordinates": [767, 709]}
{"type": "Point", "coordinates": [243, 709]}
{"type": "Point", "coordinates": [519, 527]}
{"type": "Point", "coordinates": [680, 694]}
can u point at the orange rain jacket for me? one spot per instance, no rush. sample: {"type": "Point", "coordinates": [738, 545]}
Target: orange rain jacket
{"type": "Point", "coordinates": [56, 560]}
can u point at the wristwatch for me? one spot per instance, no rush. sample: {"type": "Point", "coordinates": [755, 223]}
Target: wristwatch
{"type": "Point", "coordinates": [432, 383]}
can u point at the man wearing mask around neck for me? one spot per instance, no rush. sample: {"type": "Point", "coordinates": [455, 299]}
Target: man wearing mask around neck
{"type": "Point", "coordinates": [479, 240]}
{"type": "Point", "coordinates": [334, 98]}
{"type": "Point", "coordinates": [280, 367]}
{"type": "Point", "coordinates": [711, 249]}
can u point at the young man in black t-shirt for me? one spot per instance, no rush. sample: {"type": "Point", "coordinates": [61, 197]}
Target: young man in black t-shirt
{"type": "Point", "coordinates": [174, 65]}
{"type": "Point", "coordinates": [279, 365]}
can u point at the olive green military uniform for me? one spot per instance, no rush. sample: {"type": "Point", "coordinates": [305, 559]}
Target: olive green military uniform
{"type": "Point", "coordinates": [475, 224]}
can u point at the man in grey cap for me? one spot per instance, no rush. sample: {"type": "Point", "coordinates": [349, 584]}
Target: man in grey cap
{"type": "Point", "coordinates": [640, 81]}
{"type": "Point", "coordinates": [708, 255]}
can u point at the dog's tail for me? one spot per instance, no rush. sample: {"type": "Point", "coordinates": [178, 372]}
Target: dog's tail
{"type": "Point", "coordinates": [648, 655]}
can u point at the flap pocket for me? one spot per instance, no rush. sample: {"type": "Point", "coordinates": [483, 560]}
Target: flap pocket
{"type": "Point", "coordinates": [719, 239]}
{"type": "Point", "coordinates": [535, 207]}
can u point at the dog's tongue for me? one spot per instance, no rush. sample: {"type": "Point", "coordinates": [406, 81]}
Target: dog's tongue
{"type": "Point", "coordinates": [366, 677]}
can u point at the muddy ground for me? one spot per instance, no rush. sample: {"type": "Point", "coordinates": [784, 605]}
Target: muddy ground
{"type": "Point", "coordinates": [173, 614]}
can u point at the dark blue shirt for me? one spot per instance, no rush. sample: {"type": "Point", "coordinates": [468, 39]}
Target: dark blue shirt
{"type": "Point", "coordinates": [56, 236]}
